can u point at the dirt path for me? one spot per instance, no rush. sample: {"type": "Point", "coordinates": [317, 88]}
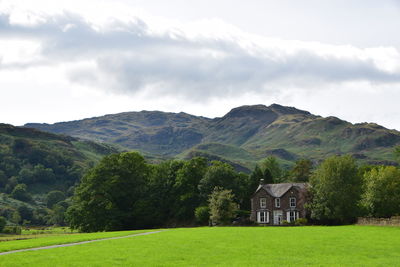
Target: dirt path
{"type": "Point", "coordinates": [77, 243]}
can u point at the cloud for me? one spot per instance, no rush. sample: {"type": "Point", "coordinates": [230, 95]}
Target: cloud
{"type": "Point", "coordinates": [196, 61]}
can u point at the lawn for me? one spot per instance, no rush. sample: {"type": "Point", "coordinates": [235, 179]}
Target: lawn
{"type": "Point", "coordinates": [231, 246]}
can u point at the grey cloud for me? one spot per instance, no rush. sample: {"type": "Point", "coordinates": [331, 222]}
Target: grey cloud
{"type": "Point", "coordinates": [129, 58]}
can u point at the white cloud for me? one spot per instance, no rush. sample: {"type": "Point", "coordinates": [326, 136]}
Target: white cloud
{"type": "Point", "coordinates": [123, 52]}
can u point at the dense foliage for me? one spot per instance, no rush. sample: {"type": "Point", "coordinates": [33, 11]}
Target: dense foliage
{"type": "Point", "coordinates": [125, 192]}
{"type": "Point", "coordinates": [301, 171]}
{"type": "Point", "coordinates": [222, 206]}
{"type": "Point", "coordinates": [33, 163]}
{"type": "Point", "coordinates": [382, 191]}
{"type": "Point", "coordinates": [336, 191]}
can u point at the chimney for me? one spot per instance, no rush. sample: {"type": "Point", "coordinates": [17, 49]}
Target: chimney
{"type": "Point", "coordinates": [262, 182]}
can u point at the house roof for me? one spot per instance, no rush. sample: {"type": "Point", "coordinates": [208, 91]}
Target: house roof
{"type": "Point", "coordinates": [278, 190]}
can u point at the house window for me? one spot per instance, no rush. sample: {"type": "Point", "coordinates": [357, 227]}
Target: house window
{"type": "Point", "coordinates": [263, 217]}
{"type": "Point", "coordinates": [292, 202]}
{"type": "Point", "coordinates": [277, 202]}
{"type": "Point", "coordinates": [263, 203]}
{"type": "Point", "coordinates": [292, 216]}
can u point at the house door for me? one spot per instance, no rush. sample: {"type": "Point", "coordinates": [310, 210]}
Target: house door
{"type": "Point", "coordinates": [278, 217]}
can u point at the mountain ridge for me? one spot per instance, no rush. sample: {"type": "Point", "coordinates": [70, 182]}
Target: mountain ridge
{"type": "Point", "coordinates": [286, 132]}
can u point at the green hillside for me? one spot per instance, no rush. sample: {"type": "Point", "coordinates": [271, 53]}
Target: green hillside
{"type": "Point", "coordinates": [243, 136]}
{"type": "Point", "coordinates": [33, 163]}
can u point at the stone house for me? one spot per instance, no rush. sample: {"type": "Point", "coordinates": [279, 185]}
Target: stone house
{"type": "Point", "coordinates": [274, 203]}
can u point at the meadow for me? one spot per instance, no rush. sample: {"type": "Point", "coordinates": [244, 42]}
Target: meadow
{"type": "Point", "coordinates": [231, 246]}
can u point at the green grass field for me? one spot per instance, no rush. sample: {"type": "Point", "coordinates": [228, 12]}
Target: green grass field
{"type": "Point", "coordinates": [231, 246]}
{"type": "Point", "coordinates": [48, 239]}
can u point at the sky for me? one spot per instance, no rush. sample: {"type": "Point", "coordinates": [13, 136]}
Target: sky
{"type": "Point", "coordinates": [69, 60]}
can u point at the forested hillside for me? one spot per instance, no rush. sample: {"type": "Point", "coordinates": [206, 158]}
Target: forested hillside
{"type": "Point", "coordinates": [39, 169]}
{"type": "Point", "coordinates": [242, 137]}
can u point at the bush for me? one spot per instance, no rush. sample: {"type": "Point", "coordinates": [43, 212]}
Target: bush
{"type": "Point", "coordinates": [202, 215]}
{"type": "Point", "coordinates": [2, 223]}
{"type": "Point", "coordinates": [301, 222]}
{"type": "Point", "coordinates": [15, 230]}
{"type": "Point", "coordinates": [286, 223]}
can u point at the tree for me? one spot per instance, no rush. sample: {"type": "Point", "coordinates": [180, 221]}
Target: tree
{"type": "Point", "coordinates": [301, 171]}
{"type": "Point", "coordinates": [202, 215]}
{"type": "Point", "coordinates": [219, 174]}
{"type": "Point", "coordinates": [272, 165]}
{"type": "Point", "coordinates": [222, 206]}
{"type": "Point", "coordinates": [112, 195]}
{"type": "Point", "coordinates": [57, 215]}
{"type": "Point", "coordinates": [53, 197]}
{"type": "Point", "coordinates": [25, 213]}
{"type": "Point", "coordinates": [267, 176]}
{"type": "Point", "coordinates": [336, 191]}
{"type": "Point", "coordinates": [186, 187]}
{"type": "Point", "coordinates": [251, 183]}
{"type": "Point", "coordinates": [20, 192]}
{"type": "Point", "coordinates": [255, 177]}
{"type": "Point", "coordinates": [2, 223]}
{"type": "Point", "coordinates": [162, 194]}
{"type": "Point", "coordinates": [382, 191]}
{"type": "Point", "coordinates": [16, 218]}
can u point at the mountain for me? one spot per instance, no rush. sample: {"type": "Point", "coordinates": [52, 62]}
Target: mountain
{"type": "Point", "coordinates": [41, 162]}
{"type": "Point", "coordinates": [243, 136]}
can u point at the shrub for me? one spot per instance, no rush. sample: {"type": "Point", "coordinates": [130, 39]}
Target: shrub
{"type": "Point", "coordinates": [202, 214]}
{"type": "Point", "coordinates": [301, 222]}
{"type": "Point", "coordinates": [15, 230]}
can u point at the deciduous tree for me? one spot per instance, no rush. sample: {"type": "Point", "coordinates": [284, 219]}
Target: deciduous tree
{"type": "Point", "coordinates": [301, 171]}
{"type": "Point", "coordinates": [222, 206]}
{"type": "Point", "coordinates": [382, 191]}
{"type": "Point", "coordinates": [272, 165]}
{"type": "Point", "coordinates": [112, 196]}
{"type": "Point", "coordinates": [336, 191]}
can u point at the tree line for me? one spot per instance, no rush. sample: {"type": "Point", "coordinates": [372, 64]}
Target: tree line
{"type": "Point", "coordinates": [125, 192]}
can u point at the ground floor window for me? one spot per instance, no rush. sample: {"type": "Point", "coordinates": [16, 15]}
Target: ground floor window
{"type": "Point", "coordinates": [263, 217]}
{"type": "Point", "coordinates": [291, 216]}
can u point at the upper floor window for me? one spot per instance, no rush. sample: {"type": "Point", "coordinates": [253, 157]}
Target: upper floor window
{"type": "Point", "coordinates": [277, 202]}
{"type": "Point", "coordinates": [292, 202]}
{"type": "Point", "coordinates": [263, 203]}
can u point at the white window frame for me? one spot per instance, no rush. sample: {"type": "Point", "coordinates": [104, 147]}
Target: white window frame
{"type": "Point", "coordinates": [294, 201]}
{"type": "Point", "coordinates": [292, 216]}
{"type": "Point", "coordinates": [263, 202]}
{"type": "Point", "coordinates": [263, 216]}
{"type": "Point", "coordinates": [277, 202]}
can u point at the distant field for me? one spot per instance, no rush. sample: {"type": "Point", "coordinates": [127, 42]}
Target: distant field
{"type": "Point", "coordinates": [231, 246]}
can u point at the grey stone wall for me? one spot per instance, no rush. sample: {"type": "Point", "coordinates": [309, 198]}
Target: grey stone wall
{"type": "Point", "coordinates": [393, 221]}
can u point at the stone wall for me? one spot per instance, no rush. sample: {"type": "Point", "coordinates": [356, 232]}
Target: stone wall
{"type": "Point", "coordinates": [394, 221]}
